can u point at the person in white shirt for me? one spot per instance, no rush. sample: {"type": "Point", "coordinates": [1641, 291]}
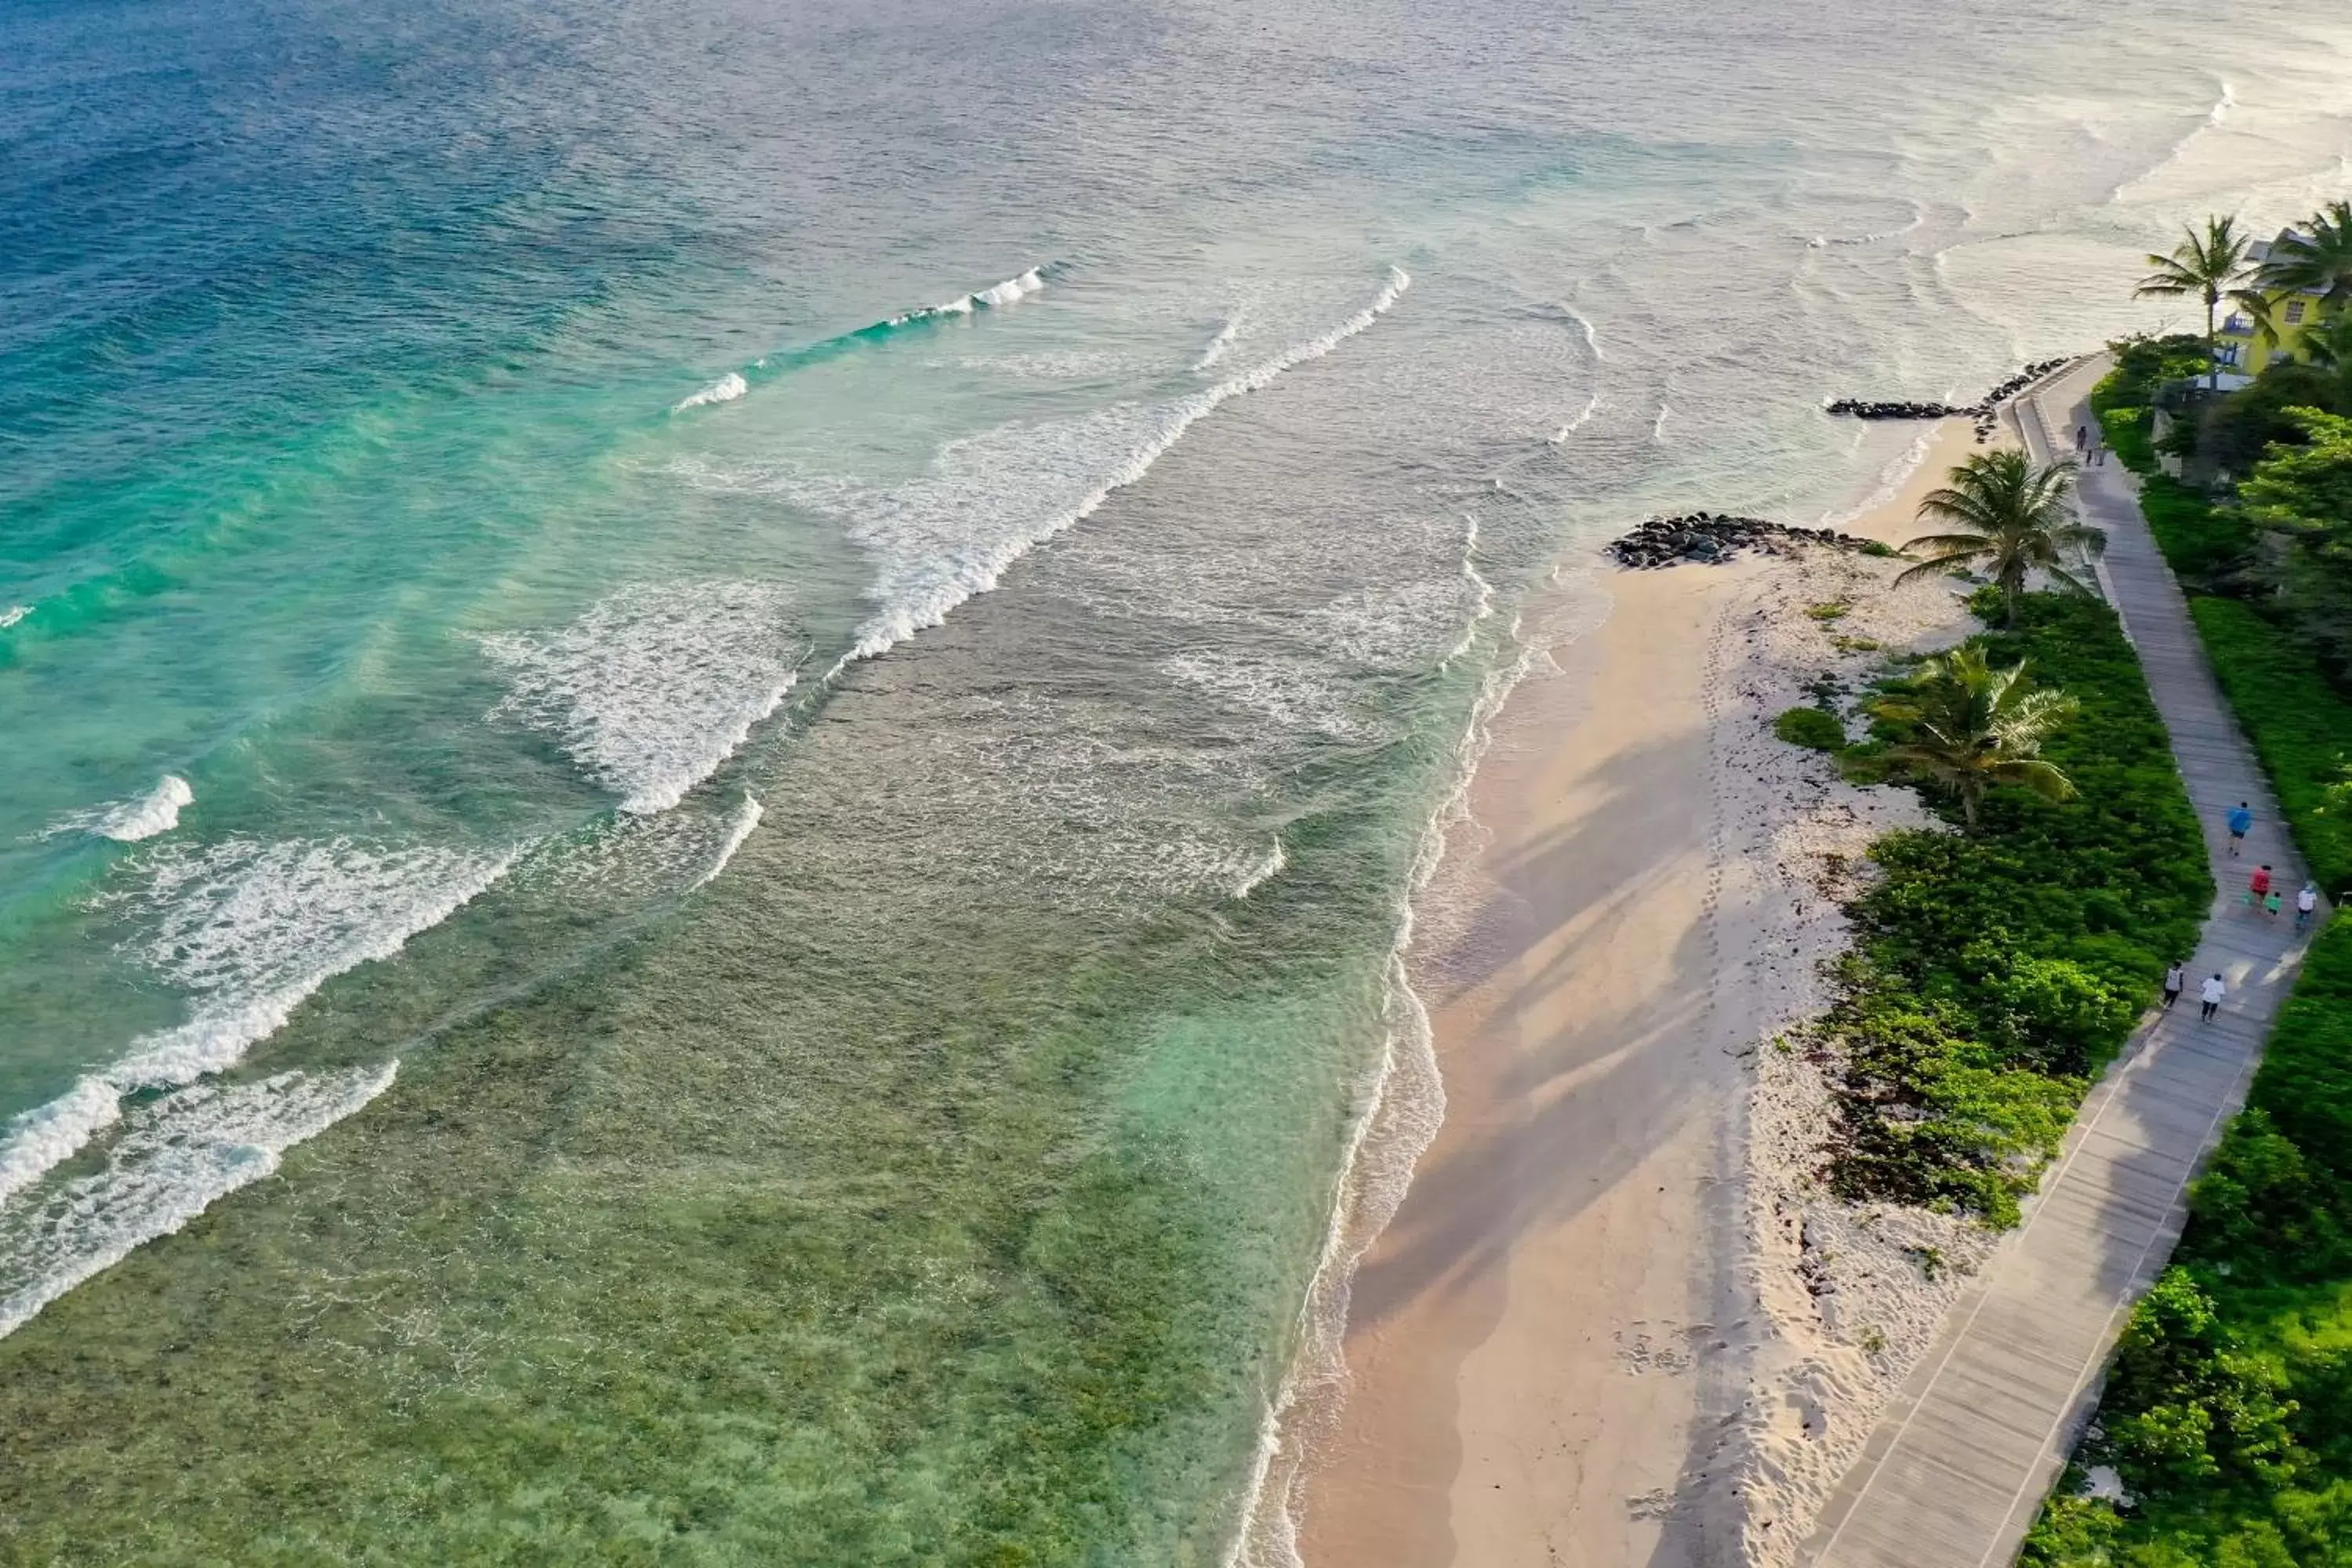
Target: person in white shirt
{"type": "Point", "coordinates": [2212, 991]}
{"type": "Point", "coordinates": [2176, 980]}
{"type": "Point", "coordinates": [2304, 903]}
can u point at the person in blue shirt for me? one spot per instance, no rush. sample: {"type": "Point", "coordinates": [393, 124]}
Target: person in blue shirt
{"type": "Point", "coordinates": [2242, 817]}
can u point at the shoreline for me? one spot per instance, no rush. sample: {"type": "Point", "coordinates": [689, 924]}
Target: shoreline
{"type": "Point", "coordinates": [1550, 1344]}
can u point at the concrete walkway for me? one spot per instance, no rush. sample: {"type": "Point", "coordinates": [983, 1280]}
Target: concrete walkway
{"type": "Point", "coordinates": [1958, 1467]}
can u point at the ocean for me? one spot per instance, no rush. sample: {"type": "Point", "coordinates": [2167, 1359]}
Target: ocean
{"type": "Point", "coordinates": [717, 719]}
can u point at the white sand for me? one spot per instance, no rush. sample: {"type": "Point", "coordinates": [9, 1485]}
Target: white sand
{"type": "Point", "coordinates": [1615, 1320]}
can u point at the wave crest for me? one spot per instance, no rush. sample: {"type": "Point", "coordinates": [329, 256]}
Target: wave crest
{"type": "Point", "coordinates": [654, 686]}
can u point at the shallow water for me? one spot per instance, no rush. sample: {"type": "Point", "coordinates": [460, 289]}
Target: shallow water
{"type": "Point", "coordinates": [805, 657]}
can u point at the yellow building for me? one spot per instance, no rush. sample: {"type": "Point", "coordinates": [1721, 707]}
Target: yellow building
{"type": "Point", "coordinates": [2248, 347]}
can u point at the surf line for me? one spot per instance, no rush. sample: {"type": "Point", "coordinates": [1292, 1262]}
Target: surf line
{"type": "Point", "coordinates": [735, 384]}
{"type": "Point", "coordinates": [894, 624]}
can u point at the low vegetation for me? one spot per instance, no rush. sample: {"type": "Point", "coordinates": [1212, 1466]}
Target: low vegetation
{"type": "Point", "coordinates": [1998, 969]}
{"type": "Point", "coordinates": [1816, 729]}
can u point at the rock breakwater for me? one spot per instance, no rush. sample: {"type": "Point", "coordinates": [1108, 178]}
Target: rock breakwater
{"type": "Point", "coordinates": [1984, 412]}
{"type": "Point", "coordinates": [1710, 538]}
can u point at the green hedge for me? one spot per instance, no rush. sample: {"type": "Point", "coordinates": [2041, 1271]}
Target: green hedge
{"type": "Point", "coordinates": [2300, 725]}
{"type": "Point", "coordinates": [2201, 542]}
{"type": "Point", "coordinates": [1996, 973]}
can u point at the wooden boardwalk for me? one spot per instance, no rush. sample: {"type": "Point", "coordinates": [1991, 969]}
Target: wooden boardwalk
{"type": "Point", "coordinates": [1959, 1464]}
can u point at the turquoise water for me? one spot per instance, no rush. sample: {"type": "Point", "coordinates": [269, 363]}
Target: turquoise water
{"type": "Point", "coordinates": [717, 719]}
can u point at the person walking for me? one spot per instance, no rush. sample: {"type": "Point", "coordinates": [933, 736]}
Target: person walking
{"type": "Point", "coordinates": [2082, 437]}
{"type": "Point", "coordinates": [2241, 821]}
{"type": "Point", "coordinates": [2273, 902]}
{"type": "Point", "coordinates": [2304, 903]}
{"type": "Point", "coordinates": [2211, 994]}
{"type": "Point", "coordinates": [2176, 980]}
{"type": "Point", "coordinates": [2258, 886]}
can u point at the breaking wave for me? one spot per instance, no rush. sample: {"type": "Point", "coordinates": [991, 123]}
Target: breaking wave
{"type": "Point", "coordinates": [746, 819]}
{"type": "Point", "coordinates": [175, 1158]}
{"type": "Point", "coordinates": [248, 930]}
{"type": "Point", "coordinates": [993, 298]}
{"type": "Point", "coordinates": [128, 821]}
{"type": "Point", "coordinates": [736, 384]}
{"type": "Point", "coordinates": [991, 498]}
{"type": "Point", "coordinates": [654, 686]}
{"type": "Point", "coordinates": [725, 389]}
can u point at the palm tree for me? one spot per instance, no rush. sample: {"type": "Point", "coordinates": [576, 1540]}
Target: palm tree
{"type": "Point", "coordinates": [2207, 267]}
{"type": "Point", "coordinates": [2328, 344]}
{"type": "Point", "coordinates": [2013, 518]}
{"type": "Point", "coordinates": [2316, 259]}
{"type": "Point", "coordinates": [1968, 727]}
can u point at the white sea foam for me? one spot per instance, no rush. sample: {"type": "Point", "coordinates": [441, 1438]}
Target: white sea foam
{"type": "Point", "coordinates": [248, 930]}
{"type": "Point", "coordinates": [1265, 871]}
{"type": "Point", "coordinates": [157, 812]}
{"type": "Point", "coordinates": [1658, 430]}
{"type": "Point", "coordinates": [13, 614]}
{"type": "Point", "coordinates": [1292, 693]}
{"type": "Point", "coordinates": [128, 821]}
{"type": "Point", "coordinates": [1583, 417]}
{"type": "Point", "coordinates": [1402, 1107]}
{"type": "Point", "coordinates": [654, 686]}
{"type": "Point", "coordinates": [1891, 480]}
{"type": "Point", "coordinates": [991, 498]}
{"type": "Point", "coordinates": [1400, 626]}
{"type": "Point", "coordinates": [747, 817]}
{"type": "Point", "coordinates": [46, 1136]}
{"type": "Point", "coordinates": [1075, 364]}
{"type": "Point", "coordinates": [1218, 346]}
{"type": "Point", "coordinates": [1481, 593]}
{"type": "Point", "coordinates": [1592, 335]}
{"type": "Point", "coordinates": [1011, 289]}
{"type": "Point", "coordinates": [725, 389]}
{"type": "Point", "coordinates": [173, 1159]}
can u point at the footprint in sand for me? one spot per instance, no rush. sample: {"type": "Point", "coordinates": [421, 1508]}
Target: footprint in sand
{"type": "Point", "coordinates": [1640, 1354]}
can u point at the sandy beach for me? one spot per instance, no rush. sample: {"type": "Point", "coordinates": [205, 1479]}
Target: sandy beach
{"type": "Point", "coordinates": [1588, 1336]}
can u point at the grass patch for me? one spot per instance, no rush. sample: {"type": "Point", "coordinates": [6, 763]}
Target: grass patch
{"type": "Point", "coordinates": [1815, 728]}
{"type": "Point", "coordinates": [1996, 973]}
{"type": "Point", "coordinates": [1834, 610]}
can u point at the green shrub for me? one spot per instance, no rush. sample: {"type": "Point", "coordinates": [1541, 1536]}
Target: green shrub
{"type": "Point", "coordinates": [2201, 542]}
{"type": "Point", "coordinates": [1813, 728]}
{"type": "Point", "coordinates": [2058, 1016]}
{"type": "Point", "coordinates": [2131, 431]}
{"type": "Point", "coordinates": [1996, 971]}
